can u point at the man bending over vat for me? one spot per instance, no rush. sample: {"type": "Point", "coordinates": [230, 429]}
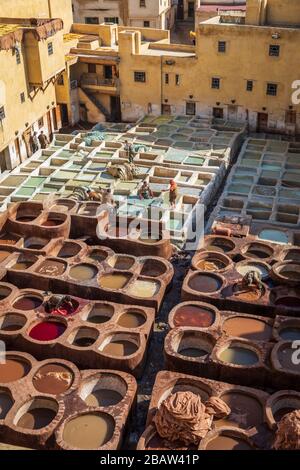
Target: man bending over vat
{"type": "Point", "coordinates": [60, 305]}
{"type": "Point", "coordinates": [252, 280]}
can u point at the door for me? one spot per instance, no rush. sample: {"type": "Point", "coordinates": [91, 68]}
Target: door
{"type": "Point", "coordinates": [54, 119]}
{"type": "Point", "coordinates": [18, 150]}
{"type": "Point", "coordinates": [166, 109]}
{"type": "Point", "coordinates": [191, 10]}
{"type": "Point", "coordinates": [232, 113]}
{"type": "Point", "coordinates": [190, 108]}
{"type": "Point", "coordinates": [115, 108]}
{"type": "Point", "coordinates": [64, 114]}
{"type": "Point", "coordinates": [180, 10]}
{"type": "Point", "coordinates": [49, 126]}
{"type": "Point", "coordinates": [26, 137]}
{"type": "Point", "coordinates": [262, 122]}
{"type": "Point", "coordinates": [218, 113]}
{"type": "Point", "coordinates": [108, 72]}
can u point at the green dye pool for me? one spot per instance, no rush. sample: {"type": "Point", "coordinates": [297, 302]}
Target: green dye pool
{"type": "Point", "coordinates": [25, 191]}
{"type": "Point", "coordinates": [276, 236]}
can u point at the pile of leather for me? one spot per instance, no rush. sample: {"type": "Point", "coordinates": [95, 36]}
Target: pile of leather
{"type": "Point", "coordinates": [124, 172]}
{"type": "Point", "coordinates": [288, 432]}
{"type": "Point", "coordinates": [183, 417]}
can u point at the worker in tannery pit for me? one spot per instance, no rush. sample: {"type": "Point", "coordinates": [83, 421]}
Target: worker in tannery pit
{"type": "Point", "coordinates": [43, 139]}
{"type": "Point", "coordinates": [145, 191]}
{"type": "Point", "coordinates": [129, 151]}
{"type": "Point", "coordinates": [252, 279]}
{"type": "Point", "coordinates": [59, 304]}
{"type": "Point", "coordinates": [94, 195]}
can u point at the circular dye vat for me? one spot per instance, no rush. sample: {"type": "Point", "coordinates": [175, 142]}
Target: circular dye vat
{"type": "Point", "coordinates": [68, 250]}
{"type": "Point", "coordinates": [36, 418]}
{"type": "Point", "coordinates": [244, 269]}
{"type": "Point", "coordinates": [4, 292]}
{"type": "Point", "coordinates": [89, 431]}
{"type": "Point", "coordinates": [26, 218]}
{"type": "Point", "coordinates": [279, 414]}
{"type": "Point", "coordinates": [53, 379]}
{"type": "Point", "coordinates": [52, 223]}
{"type": "Point", "coordinates": [131, 319]}
{"type": "Point", "coordinates": [220, 244]}
{"type": "Point", "coordinates": [246, 411]}
{"type": "Point", "coordinates": [247, 295]}
{"type": "Point", "coordinates": [224, 442]}
{"type": "Point", "coordinates": [113, 281]}
{"type": "Point", "coordinates": [208, 283]}
{"type": "Point", "coordinates": [83, 341]}
{"type": "Point", "coordinates": [285, 354]}
{"type": "Point", "coordinates": [83, 272]}
{"type": "Point", "coordinates": [210, 264]}
{"type": "Point", "coordinates": [13, 369]}
{"type": "Point", "coordinates": [22, 265]}
{"type": "Point", "coordinates": [193, 352]}
{"type": "Point", "coordinates": [100, 313]}
{"type": "Point", "coordinates": [290, 334]}
{"type": "Point", "coordinates": [121, 262]}
{"type": "Point", "coordinates": [103, 397]}
{"type": "Point", "coordinates": [238, 356]}
{"type": "Point", "coordinates": [98, 255]}
{"type": "Point", "coordinates": [28, 302]}
{"type": "Point", "coordinates": [51, 268]}
{"type": "Point", "coordinates": [143, 289]}
{"type": "Point", "coordinates": [246, 327]}
{"type": "Point", "coordinates": [120, 348]}
{"type": "Point", "coordinates": [192, 315]}
{"type": "Point", "coordinates": [47, 331]}
{"type": "Point", "coordinates": [153, 268]}
{"type": "Point", "coordinates": [6, 402]}
{"type": "Point", "coordinates": [272, 235]}
{"type": "Point", "coordinates": [292, 302]}
{"type": "Point", "coordinates": [12, 322]}
{"type": "Point", "coordinates": [259, 250]}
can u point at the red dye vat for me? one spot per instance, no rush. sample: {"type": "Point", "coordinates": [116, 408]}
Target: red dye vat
{"type": "Point", "coordinates": [192, 315]}
{"type": "Point", "coordinates": [47, 331]}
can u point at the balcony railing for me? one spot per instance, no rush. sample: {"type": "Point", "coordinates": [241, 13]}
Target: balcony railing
{"type": "Point", "coordinates": [96, 80]}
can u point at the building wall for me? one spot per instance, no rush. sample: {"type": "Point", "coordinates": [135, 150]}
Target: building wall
{"type": "Point", "coordinates": [100, 9]}
{"type": "Point", "coordinates": [38, 9]}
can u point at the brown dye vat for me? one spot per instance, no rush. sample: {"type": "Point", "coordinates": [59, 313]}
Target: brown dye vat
{"type": "Point", "coordinates": [89, 431]}
{"type": "Point", "coordinates": [153, 268]}
{"type": "Point", "coordinates": [259, 250]}
{"type": "Point", "coordinates": [192, 352]}
{"type": "Point", "coordinates": [12, 322]}
{"type": "Point", "coordinates": [68, 250]}
{"type": "Point", "coordinates": [84, 337]}
{"type": "Point", "coordinates": [83, 342]}
{"type": "Point", "coordinates": [83, 272]}
{"type": "Point", "coordinates": [98, 255]}
{"type": "Point", "coordinates": [26, 218]}
{"type": "Point", "coordinates": [51, 268]}
{"type": "Point", "coordinates": [53, 379]}
{"type": "Point", "coordinates": [9, 238]}
{"type": "Point", "coordinates": [131, 319]}
{"type": "Point", "coordinates": [205, 283]}
{"type": "Point", "coordinates": [120, 348]}
{"type": "Point", "coordinates": [52, 223]}
{"type": "Point", "coordinates": [100, 313]}
{"type": "Point", "coordinates": [4, 292]}
{"type": "Point", "coordinates": [27, 302]}
{"type": "Point", "coordinates": [210, 265]}
{"type": "Point", "coordinates": [249, 328]}
{"type": "Point", "coordinates": [13, 369]}
{"type": "Point", "coordinates": [293, 302]}
{"type": "Point", "coordinates": [36, 418]}
{"type": "Point", "coordinates": [279, 414]}
{"type": "Point", "coordinates": [114, 281]}
{"type": "Point", "coordinates": [192, 315]}
{"type": "Point", "coordinates": [220, 244]}
{"type": "Point", "coordinates": [246, 294]}
{"type": "Point", "coordinates": [103, 397]}
{"type": "Point", "coordinates": [227, 442]}
{"type": "Point", "coordinates": [121, 262]}
{"type": "Point", "coordinates": [6, 402]}
{"type": "Point", "coordinates": [246, 411]}
{"type": "Point", "coordinates": [284, 355]}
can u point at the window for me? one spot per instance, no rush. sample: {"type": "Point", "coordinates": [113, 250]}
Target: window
{"type": "Point", "coordinates": [142, 3]}
{"type": "Point", "coordinates": [249, 86]}
{"type": "Point", "coordinates": [290, 117]}
{"type": "Point", "coordinates": [272, 89]}
{"type": "Point", "coordinates": [22, 97]}
{"type": "Point", "coordinates": [146, 24]}
{"type": "Point", "coordinates": [191, 108]}
{"type": "Point", "coordinates": [221, 46]}
{"type": "Point", "coordinates": [92, 68]}
{"type": "Point", "coordinates": [111, 19]}
{"type": "Point", "coordinates": [177, 80]}
{"type": "Point", "coordinates": [218, 113]}
{"type": "Point", "coordinates": [215, 83]}
{"type": "Point", "coordinates": [50, 48]}
{"type": "Point", "coordinates": [91, 20]}
{"type": "Point", "coordinates": [2, 113]}
{"type": "Point", "coordinates": [140, 77]}
{"type": "Point", "coordinates": [41, 123]}
{"type": "Point", "coordinates": [167, 79]}
{"type": "Point", "coordinates": [274, 50]}
{"type": "Point", "coordinates": [18, 56]}
{"type": "Point", "coordinates": [60, 80]}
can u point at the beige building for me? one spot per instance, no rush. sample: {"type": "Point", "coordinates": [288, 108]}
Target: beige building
{"type": "Point", "coordinates": [32, 58]}
{"type": "Point", "coordinates": [140, 13]}
{"type": "Point", "coordinates": [206, 9]}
